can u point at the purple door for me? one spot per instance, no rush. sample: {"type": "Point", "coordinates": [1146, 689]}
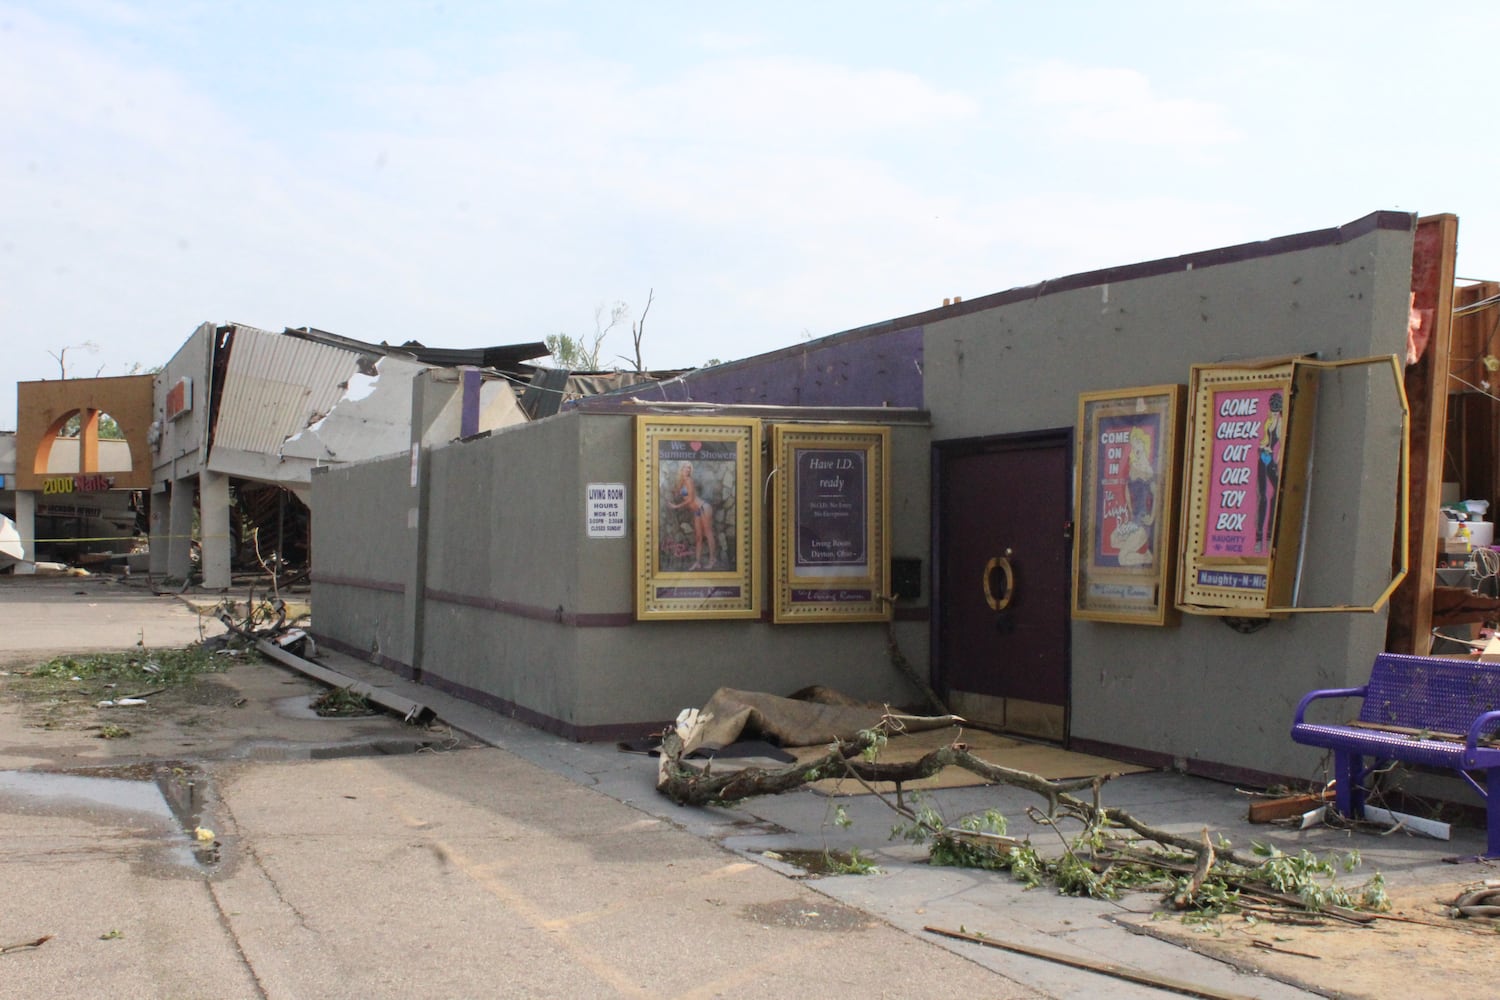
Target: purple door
{"type": "Point", "coordinates": [1003, 551]}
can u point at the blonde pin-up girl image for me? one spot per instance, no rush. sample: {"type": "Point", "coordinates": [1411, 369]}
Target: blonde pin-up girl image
{"type": "Point", "coordinates": [685, 497]}
{"type": "Point", "coordinates": [1132, 539]}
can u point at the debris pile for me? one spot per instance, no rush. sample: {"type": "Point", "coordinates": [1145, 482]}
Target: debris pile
{"type": "Point", "coordinates": [1112, 851]}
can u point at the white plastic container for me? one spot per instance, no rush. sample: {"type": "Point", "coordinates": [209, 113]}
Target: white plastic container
{"type": "Point", "coordinates": [1481, 533]}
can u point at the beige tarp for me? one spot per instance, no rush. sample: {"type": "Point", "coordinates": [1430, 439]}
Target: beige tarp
{"type": "Point", "coordinates": [813, 718]}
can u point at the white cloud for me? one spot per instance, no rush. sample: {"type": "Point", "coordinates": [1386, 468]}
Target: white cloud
{"type": "Point", "coordinates": [781, 99]}
{"type": "Point", "coordinates": [403, 194]}
{"type": "Point", "coordinates": [1111, 105]}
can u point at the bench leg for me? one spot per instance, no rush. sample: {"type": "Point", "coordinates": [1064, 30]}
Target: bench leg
{"type": "Point", "coordinates": [1492, 811]}
{"type": "Point", "coordinates": [1348, 796]}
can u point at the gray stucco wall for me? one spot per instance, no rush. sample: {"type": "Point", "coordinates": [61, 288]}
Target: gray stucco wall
{"type": "Point", "coordinates": [660, 667]}
{"type": "Point", "coordinates": [525, 612]}
{"type": "Point", "coordinates": [360, 545]}
{"type": "Point", "coordinates": [1201, 691]}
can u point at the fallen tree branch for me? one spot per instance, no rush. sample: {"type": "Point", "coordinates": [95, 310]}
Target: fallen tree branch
{"type": "Point", "coordinates": [687, 785]}
{"type": "Point", "coordinates": [1104, 838]}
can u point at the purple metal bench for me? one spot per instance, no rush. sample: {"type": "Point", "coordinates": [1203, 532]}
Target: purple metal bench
{"type": "Point", "coordinates": [1425, 710]}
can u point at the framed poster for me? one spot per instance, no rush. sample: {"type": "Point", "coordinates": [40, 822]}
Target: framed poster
{"type": "Point", "coordinates": [697, 509]}
{"type": "Point", "coordinates": [831, 522]}
{"type": "Point", "coordinates": [1126, 498]}
{"type": "Point", "coordinates": [1246, 486]}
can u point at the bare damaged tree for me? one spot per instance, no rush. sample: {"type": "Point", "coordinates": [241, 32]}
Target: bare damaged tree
{"type": "Point", "coordinates": [571, 352]}
{"type": "Point", "coordinates": [61, 356]}
{"type": "Point", "coordinates": [637, 329]}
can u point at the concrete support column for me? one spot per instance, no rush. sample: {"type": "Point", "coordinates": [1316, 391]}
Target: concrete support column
{"type": "Point", "coordinates": [26, 528]}
{"type": "Point", "coordinates": [414, 608]}
{"type": "Point", "coordinates": [180, 530]}
{"type": "Point", "coordinates": [213, 529]}
{"type": "Point", "coordinates": [161, 544]}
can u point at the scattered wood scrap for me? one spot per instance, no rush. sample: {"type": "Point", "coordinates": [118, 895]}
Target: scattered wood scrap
{"type": "Point", "coordinates": [6, 949]}
{"type": "Point", "coordinates": [1122, 972]}
{"type": "Point", "coordinates": [1287, 806]}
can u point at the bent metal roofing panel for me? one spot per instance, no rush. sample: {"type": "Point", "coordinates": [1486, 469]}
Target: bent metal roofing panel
{"type": "Point", "coordinates": [275, 386]}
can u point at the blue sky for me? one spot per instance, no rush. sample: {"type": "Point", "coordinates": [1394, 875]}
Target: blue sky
{"type": "Point", "coordinates": [472, 174]}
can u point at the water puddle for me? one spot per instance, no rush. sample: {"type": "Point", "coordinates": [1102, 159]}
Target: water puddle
{"type": "Point", "coordinates": [160, 806]}
{"type": "Point", "coordinates": [95, 798]}
{"type": "Point", "coordinates": [161, 811]}
{"type": "Point", "coordinates": [272, 750]}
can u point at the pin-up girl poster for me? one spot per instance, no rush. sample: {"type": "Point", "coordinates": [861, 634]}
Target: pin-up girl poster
{"type": "Point", "coordinates": [1245, 475]}
{"type": "Point", "coordinates": [696, 517]}
{"type": "Point", "coordinates": [1129, 491]}
{"type": "Point", "coordinates": [1125, 547]}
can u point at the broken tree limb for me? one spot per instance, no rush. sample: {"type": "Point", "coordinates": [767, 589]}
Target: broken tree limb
{"type": "Point", "coordinates": [1268, 946]}
{"type": "Point", "coordinates": [1185, 896]}
{"type": "Point", "coordinates": [687, 785]}
{"type": "Point", "coordinates": [1107, 831]}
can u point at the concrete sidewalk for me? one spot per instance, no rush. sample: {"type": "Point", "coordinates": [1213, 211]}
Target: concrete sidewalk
{"type": "Point", "coordinates": [912, 895]}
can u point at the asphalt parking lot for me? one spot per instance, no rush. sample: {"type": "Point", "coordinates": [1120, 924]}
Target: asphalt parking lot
{"type": "Point", "coordinates": [480, 857]}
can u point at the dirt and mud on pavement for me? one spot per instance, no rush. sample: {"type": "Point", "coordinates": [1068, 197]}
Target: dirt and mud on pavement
{"type": "Point", "coordinates": [222, 840]}
{"type": "Point", "coordinates": [96, 725]}
{"type": "Point", "coordinates": [200, 694]}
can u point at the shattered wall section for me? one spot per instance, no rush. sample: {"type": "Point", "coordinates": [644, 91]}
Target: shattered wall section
{"type": "Point", "coordinates": [371, 418]}
{"type": "Point", "coordinates": [273, 388]}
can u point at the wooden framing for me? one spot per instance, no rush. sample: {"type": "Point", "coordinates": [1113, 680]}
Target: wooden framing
{"type": "Point", "coordinates": [1427, 384]}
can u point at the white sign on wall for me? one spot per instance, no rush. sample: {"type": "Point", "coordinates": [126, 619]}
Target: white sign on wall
{"type": "Point", "coordinates": [605, 515]}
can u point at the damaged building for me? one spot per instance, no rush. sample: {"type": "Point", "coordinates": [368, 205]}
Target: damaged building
{"type": "Point", "coordinates": [73, 476]}
{"type": "Point", "coordinates": [557, 572]}
{"type": "Point", "coordinates": [244, 415]}
{"type": "Point", "coordinates": [205, 466]}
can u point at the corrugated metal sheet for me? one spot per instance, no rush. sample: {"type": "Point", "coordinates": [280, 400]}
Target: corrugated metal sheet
{"type": "Point", "coordinates": [275, 386]}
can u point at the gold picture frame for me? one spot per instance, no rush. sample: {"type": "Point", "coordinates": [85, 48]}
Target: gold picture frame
{"type": "Point", "coordinates": [1126, 500]}
{"type": "Point", "coordinates": [831, 523]}
{"type": "Point", "coordinates": [698, 516]}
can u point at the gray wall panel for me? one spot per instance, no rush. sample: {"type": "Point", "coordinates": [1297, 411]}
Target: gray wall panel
{"type": "Point", "coordinates": [1200, 690]}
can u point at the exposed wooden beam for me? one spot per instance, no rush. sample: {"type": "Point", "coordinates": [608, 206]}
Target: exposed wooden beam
{"type": "Point", "coordinates": [1436, 249]}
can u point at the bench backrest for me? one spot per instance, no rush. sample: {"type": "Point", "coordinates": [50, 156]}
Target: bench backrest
{"type": "Point", "coordinates": [1430, 692]}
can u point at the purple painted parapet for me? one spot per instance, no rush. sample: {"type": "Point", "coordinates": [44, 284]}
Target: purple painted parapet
{"type": "Point", "coordinates": [473, 384]}
{"type": "Point", "coordinates": [870, 367]}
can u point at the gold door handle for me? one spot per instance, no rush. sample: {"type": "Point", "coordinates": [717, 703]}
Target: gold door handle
{"type": "Point", "coordinates": [1001, 563]}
